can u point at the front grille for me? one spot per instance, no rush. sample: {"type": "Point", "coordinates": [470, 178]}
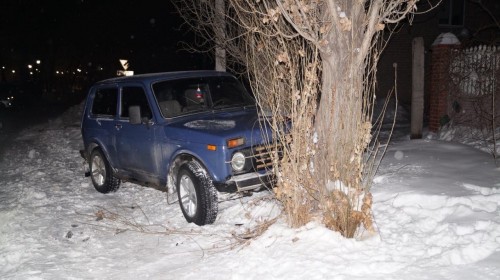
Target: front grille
{"type": "Point", "coordinates": [262, 156]}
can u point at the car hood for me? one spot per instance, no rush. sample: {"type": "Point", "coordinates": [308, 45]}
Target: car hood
{"type": "Point", "coordinates": [217, 127]}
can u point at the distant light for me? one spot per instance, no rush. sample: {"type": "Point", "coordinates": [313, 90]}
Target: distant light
{"type": "Point", "coordinates": [3, 67]}
{"type": "Point", "coordinates": [31, 72]}
{"type": "Point", "coordinates": [79, 70]}
{"type": "Point", "coordinates": [13, 71]}
{"type": "Point", "coordinates": [57, 72]}
{"type": "Point", "coordinates": [38, 61]}
{"type": "Point", "coordinates": [30, 66]}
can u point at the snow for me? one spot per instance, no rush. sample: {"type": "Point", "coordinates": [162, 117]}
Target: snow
{"type": "Point", "coordinates": [446, 39]}
{"type": "Point", "coordinates": [211, 124]}
{"type": "Point", "coordinates": [436, 208]}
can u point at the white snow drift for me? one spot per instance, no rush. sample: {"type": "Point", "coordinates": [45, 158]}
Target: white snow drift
{"type": "Point", "coordinates": [436, 207]}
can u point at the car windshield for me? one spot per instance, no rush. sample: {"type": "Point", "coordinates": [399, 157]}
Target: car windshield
{"type": "Point", "coordinates": [185, 96]}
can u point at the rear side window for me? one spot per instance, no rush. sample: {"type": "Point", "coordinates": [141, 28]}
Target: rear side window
{"type": "Point", "coordinates": [135, 96]}
{"type": "Point", "coordinates": [105, 102]}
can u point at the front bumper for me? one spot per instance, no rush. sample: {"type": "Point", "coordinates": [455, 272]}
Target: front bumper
{"type": "Point", "coordinates": [248, 182]}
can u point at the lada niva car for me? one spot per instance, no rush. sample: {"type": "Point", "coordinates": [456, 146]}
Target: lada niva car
{"type": "Point", "coordinates": [193, 133]}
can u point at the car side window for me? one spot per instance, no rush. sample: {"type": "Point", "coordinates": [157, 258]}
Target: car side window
{"type": "Point", "coordinates": [104, 103]}
{"type": "Point", "coordinates": [135, 96]}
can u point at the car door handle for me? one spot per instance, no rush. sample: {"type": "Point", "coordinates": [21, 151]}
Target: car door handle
{"type": "Point", "coordinates": [118, 126]}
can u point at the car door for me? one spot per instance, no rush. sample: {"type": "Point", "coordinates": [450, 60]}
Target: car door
{"type": "Point", "coordinates": [135, 143]}
{"type": "Point", "coordinates": [101, 122]}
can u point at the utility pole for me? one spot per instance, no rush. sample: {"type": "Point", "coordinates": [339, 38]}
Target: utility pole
{"type": "Point", "coordinates": [417, 95]}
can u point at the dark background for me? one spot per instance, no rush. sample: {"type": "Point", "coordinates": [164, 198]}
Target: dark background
{"type": "Point", "coordinates": [81, 41]}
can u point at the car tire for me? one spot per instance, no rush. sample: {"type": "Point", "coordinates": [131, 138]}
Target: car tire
{"type": "Point", "coordinates": [197, 194]}
{"type": "Point", "coordinates": [101, 173]}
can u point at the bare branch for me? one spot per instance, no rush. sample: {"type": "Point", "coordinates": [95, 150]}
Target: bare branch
{"type": "Point", "coordinates": [312, 63]}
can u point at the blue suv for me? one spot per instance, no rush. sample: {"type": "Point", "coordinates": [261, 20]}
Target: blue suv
{"type": "Point", "coordinates": [193, 133]}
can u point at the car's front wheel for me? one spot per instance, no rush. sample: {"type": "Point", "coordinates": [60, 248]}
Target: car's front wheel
{"type": "Point", "coordinates": [197, 194]}
{"type": "Point", "coordinates": [101, 173]}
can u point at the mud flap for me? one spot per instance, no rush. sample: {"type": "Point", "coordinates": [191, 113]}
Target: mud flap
{"type": "Point", "coordinates": [86, 170]}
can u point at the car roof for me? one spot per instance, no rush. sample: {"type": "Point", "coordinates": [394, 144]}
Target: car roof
{"type": "Point", "coordinates": [153, 77]}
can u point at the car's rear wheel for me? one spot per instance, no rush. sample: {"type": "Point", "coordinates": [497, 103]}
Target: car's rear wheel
{"type": "Point", "coordinates": [197, 194]}
{"type": "Point", "coordinates": [101, 173]}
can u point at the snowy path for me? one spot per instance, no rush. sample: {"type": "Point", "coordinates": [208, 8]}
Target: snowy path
{"type": "Point", "coordinates": [436, 205]}
{"type": "Point", "coordinates": [50, 217]}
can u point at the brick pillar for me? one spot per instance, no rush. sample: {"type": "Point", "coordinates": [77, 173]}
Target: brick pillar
{"type": "Point", "coordinates": [439, 83]}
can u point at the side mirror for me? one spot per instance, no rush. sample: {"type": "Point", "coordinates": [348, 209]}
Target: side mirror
{"type": "Point", "coordinates": [134, 113]}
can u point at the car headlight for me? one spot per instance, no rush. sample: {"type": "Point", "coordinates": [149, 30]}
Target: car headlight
{"type": "Point", "coordinates": [238, 161]}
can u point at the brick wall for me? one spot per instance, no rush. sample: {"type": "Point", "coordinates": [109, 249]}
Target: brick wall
{"type": "Point", "coordinates": [468, 93]}
{"type": "Point", "coordinates": [439, 85]}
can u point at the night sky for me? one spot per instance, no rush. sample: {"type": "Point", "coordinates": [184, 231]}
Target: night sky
{"type": "Point", "coordinates": [93, 34]}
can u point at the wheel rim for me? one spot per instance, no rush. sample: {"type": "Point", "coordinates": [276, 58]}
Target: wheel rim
{"type": "Point", "coordinates": [98, 170]}
{"type": "Point", "coordinates": [187, 194]}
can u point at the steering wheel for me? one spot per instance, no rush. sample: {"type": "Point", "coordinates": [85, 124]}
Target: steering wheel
{"type": "Point", "coordinates": [221, 101]}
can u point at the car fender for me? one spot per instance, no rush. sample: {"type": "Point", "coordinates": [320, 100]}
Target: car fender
{"type": "Point", "coordinates": [178, 158]}
{"type": "Point", "coordinates": [96, 143]}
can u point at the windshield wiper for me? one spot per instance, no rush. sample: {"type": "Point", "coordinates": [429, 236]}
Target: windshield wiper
{"type": "Point", "coordinates": [223, 106]}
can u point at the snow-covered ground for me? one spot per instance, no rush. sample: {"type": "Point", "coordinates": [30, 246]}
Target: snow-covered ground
{"type": "Point", "coordinates": [436, 207]}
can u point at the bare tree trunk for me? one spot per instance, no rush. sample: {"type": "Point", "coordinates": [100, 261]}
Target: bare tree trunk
{"type": "Point", "coordinates": [341, 129]}
{"type": "Point", "coordinates": [314, 63]}
{"type": "Point", "coordinates": [220, 52]}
